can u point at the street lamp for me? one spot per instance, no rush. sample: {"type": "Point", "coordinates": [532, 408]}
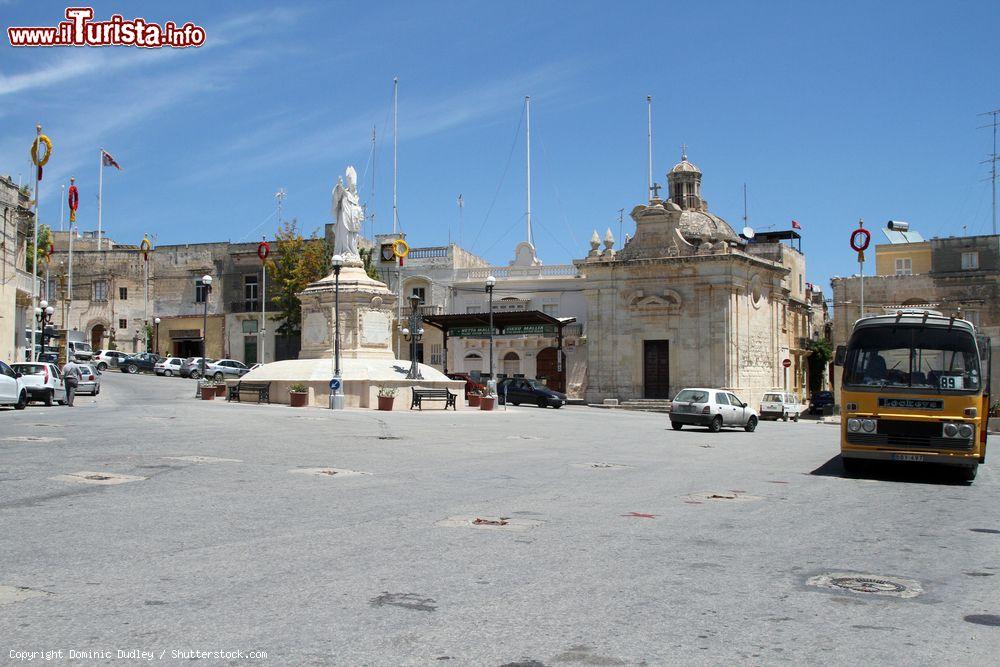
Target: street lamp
{"type": "Point", "coordinates": [206, 281]}
{"type": "Point", "coordinates": [156, 332]}
{"type": "Point", "coordinates": [43, 315]}
{"type": "Point", "coordinates": [413, 335]}
{"type": "Point", "coordinates": [336, 387]}
{"type": "Point", "coordinates": [490, 283]}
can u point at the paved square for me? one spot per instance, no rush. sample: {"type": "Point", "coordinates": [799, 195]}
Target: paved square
{"type": "Point", "coordinates": [629, 543]}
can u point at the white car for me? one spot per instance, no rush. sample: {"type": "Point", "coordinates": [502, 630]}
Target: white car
{"type": "Point", "coordinates": [12, 390]}
{"type": "Point", "coordinates": [105, 358]}
{"type": "Point", "coordinates": [90, 380]}
{"type": "Point", "coordinates": [780, 405]}
{"type": "Point", "coordinates": [223, 368]}
{"type": "Point", "coordinates": [713, 408]}
{"type": "Point", "coordinates": [169, 366]}
{"type": "Point", "coordinates": [44, 382]}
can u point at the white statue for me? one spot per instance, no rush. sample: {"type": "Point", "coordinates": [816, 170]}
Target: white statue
{"type": "Point", "coordinates": [348, 213]}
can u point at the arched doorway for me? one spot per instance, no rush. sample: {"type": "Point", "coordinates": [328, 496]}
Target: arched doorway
{"type": "Point", "coordinates": [511, 364]}
{"type": "Point", "coordinates": [97, 337]}
{"type": "Point", "coordinates": [547, 369]}
{"type": "Point", "coordinates": [473, 362]}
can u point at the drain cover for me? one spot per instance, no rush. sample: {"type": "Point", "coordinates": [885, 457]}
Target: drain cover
{"type": "Point", "coordinates": [502, 521]}
{"type": "Point", "coordinates": [868, 584]}
{"type": "Point", "coordinates": [720, 496]}
{"type": "Point", "coordinates": [488, 523]}
{"type": "Point", "coordinates": [328, 472]}
{"type": "Point", "coordinates": [201, 459]}
{"type": "Point", "coordinates": [102, 478]}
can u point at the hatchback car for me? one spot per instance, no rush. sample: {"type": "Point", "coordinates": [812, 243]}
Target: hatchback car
{"type": "Point", "coordinates": [90, 380]}
{"type": "Point", "coordinates": [105, 358]}
{"type": "Point", "coordinates": [523, 390]}
{"type": "Point", "coordinates": [169, 366]}
{"type": "Point", "coordinates": [44, 382]}
{"type": "Point", "coordinates": [191, 368]}
{"type": "Point", "coordinates": [713, 408]}
{"type": "Point", "coordinates": [819, 400]}
{"type": "Point", "coordinates": [224, 368]}
{"type": "Point", "coordinates": [12, 389]}
{"type": "Point", "coordinates": [135, 363]}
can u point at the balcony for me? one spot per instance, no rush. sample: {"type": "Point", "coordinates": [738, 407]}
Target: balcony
{"type": "Point", "coordinates": [23, 281]}
{"type": "Point", "coordinates": [430, 309]}
{"type": "Point", "coordinates": [514, 272]}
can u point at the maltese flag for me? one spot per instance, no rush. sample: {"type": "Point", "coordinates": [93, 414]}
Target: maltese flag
{"type": "Point", "coordinates": [796, 225]}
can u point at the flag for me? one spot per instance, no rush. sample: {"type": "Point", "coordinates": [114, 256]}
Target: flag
{"type": "Point", "coordinates": [796, 225]}
{"type": "Point", "coordinates": [109, 161]}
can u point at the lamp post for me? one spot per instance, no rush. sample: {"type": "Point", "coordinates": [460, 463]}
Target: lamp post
{"type": "Point", "coordinates": [336, 385]}
{"type": "Point", "coordinates": [490, 283]}
{"type": "Point", "coordinates": [413, 335]}
{"type": "Point", "coordinates": [43, 316]}
{"type": "Point", "coordinates": [156, 333]}
{"type": "Point", "coordinates": [206, 281]}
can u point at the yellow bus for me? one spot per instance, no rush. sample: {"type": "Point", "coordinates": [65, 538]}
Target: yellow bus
{"type": "Point", "coordinates": [915, 387]}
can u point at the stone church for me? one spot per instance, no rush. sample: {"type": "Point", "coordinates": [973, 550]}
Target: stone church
{"type": "Point", "coordinates": [688, 302]}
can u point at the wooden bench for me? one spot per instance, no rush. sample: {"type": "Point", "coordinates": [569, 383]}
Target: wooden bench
{"type": "Point", "coordinates": [262, 389]}
{"type": "Point", "coordinates": [433, 395]}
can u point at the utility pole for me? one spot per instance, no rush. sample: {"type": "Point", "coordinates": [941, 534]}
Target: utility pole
{"type": "Point", "coordinates": [992, 159]}
{"type": "Point", "coordinates": [395, 153]}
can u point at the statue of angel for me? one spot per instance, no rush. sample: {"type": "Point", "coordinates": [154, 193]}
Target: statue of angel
{"type": "Point", "coordinates": [349, 216]}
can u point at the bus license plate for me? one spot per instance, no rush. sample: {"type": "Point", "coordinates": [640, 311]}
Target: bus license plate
{"type": "Point", "coordinates": [907, 457]}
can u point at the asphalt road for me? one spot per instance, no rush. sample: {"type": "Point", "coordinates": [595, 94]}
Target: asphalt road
{"type": "Point", "coordinates": [632, 561]}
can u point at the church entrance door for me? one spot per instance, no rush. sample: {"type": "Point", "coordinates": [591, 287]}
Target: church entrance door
{"type": "Point", "coordinates": [656, 369]}
{"type": "Point", "coordinates": [547, 367]}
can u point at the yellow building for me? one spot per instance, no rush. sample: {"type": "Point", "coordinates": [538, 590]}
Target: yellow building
{"type": "Point", "coordinates": [906, 254]}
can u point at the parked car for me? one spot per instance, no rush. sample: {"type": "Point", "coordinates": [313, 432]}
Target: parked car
{"type": "Point", "coordinates": [145, 361]}
{"type": "Point", "coordinates": [12, 389]}
{"type": "Point", "coordinates": [525, 390]}
{"type": "Point", "coordinates": [105, 358]}
{"type": "Point", "coordinates": [191, 368]}
{"type": "Point", "coordinates": [224, 368]}
{"type": "Point", "coordinates": [48, 358]}
{"type": "Point", "coordinates": [470, 384]}
{"type": "Point", "coordinates": [169, 366]}
{"type": "Point", "coordinates": [44, 381]}
{"type": "Point", "coordinates": [90, 380]}
{"type": "Point", "coordinates": [819, 400]}
{"type": "Point", "coordinates": [713, 408]}
{"type": "Point", "coordinates": [80, 351]}
{"type": "Point", "coordinates": [780, 405]}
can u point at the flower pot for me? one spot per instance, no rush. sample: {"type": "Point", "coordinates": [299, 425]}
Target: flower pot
{"type": "Point", "coordinates": [220, 390]}
{"type": "Point", "coordinates": [385, 402]}
{"type": "Point", "coordinates": [474, 400]}
{"type": "Point", "coordinates": [207, 393]}
{"type": "Point", "coordinates": [297, 399]}
{"type": "Point", "coordinates": [487, 402]}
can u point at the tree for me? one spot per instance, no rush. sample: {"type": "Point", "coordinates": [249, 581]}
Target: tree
{"type": "Point", "coordinates": [368, 259]}
{"type": "Point", "coordinates": [820, 354]}
{"type": "Point", "coordinates": [297, 262]}
{"type": "Point", "coordinates": [44, 240]}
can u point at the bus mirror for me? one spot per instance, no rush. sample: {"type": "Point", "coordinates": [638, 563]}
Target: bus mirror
{"type": "Point", "coordinates": [841, 355]}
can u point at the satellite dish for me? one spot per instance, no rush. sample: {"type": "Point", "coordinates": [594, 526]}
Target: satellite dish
{"type": "Point", "coordinates": [747, 233]}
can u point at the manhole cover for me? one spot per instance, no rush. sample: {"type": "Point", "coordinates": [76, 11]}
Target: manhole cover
{"type": "Point", "coordinates": [11, 594]}
{"type": "Point", "coordinates": [328, 472]}
{"type": "Point", "coordinates": [102, 478]}
{"type": "Point", "coordinates": [480, 522]}
{"type": "Point", "coordinates": [201, 459]}
{"type": "Point", "coordinates": [983, 619]}
{"type": "Point", "coordinates": [31, 438]}
{"type": "Point", "coordinates": [720, 496]}
{"type": "Point", "coordinates": [868, 584]}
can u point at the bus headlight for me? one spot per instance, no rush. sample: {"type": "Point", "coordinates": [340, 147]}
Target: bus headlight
{"type": "Point", "coordinates": [965, 431]}
{"type": "Point", "coordinates": [950, 430]}
{"type": "Point", "coordinates": [868, 425]}
{"type": "Point", "coordinates": [853, 425]}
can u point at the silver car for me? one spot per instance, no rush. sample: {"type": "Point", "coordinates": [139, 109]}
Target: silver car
{"type": "Point", "coordinates": [713, 408]}
{"type": "Point", "coordinates": [226, 368]}
{"type": "Point", "coordinates": [90, 380]}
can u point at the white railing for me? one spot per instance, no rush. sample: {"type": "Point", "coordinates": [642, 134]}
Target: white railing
{"type": "Point", "coordinates": [24, 281]}
{"type": "Point", "coordinates": [509, 272]}
{"type": "Point", "coordinates": [424, 253]}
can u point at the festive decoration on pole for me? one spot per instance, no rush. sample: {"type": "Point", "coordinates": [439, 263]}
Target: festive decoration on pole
{"type": "Point", "coordinates": [73, 200]}
{"type": "Point", "coordinates": [860, 238]}
{"type": "Point", "coordinates": [145, 247]}
{"type": "Point", "coordinates": [41, 161]}
{"type": "Point", "coordinates": [400, 249]}
{"type": "Point", "coordinates": [263, 251]}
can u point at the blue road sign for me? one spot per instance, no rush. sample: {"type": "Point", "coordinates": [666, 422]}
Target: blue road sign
{"type": "Point", "coordinates": [334, 384]}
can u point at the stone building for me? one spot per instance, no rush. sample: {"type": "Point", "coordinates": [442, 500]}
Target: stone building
{"type": "Point", "coordinates": [957, 276]}
{"type": "Point", "coordinates": [15, 280]}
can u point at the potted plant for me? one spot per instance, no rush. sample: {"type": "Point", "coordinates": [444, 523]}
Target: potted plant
{"type": "Point", "coordinates": [207, 390]}
{"type": "Point", "coordinates": [298, 394]}
{"type": "Point", "coordinates": [220, 389]}
{"type": "Point", "coordinates": [386, 395]}
{"type": "Point", "coordinates": [474, 398]}
{"type": "Point", "coordinates": [487, 401]}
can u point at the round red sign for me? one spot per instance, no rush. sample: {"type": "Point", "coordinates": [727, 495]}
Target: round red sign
{"type": "Point", "coordinates": [786, 363]}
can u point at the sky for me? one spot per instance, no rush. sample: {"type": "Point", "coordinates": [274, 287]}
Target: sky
{"type": "Point", "coordinates": [829, 112]}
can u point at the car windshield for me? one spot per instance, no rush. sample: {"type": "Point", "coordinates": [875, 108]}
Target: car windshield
{"type": "Point", "coordinates": [692, 396]}
{"type": "Point", "coordinates": [915, 357]}
{"type": "Point", "coordinates": [773, 397]}
{"type": "Point", "coordinates": [30, 369]}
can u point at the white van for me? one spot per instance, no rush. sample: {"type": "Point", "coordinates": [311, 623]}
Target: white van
{"type": "Point", "coordinates": [780, 405]}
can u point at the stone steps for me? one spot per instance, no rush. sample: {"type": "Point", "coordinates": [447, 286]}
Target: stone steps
{"type": "Point", "coordinates": [637, 404]}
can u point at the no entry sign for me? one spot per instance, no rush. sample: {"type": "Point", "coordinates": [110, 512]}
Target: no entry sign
{"type": "Point", "coordinates": [786, 363]}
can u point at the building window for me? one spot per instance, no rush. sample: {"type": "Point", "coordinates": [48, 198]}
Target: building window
{"type": "Point", "coordinates": [800, 282]}
{"type": "Point", "coordinates": [904, 266]}
{"type": "Point", "coordinates": [551, 309]}
{"type": "Point", "coordinates": [199, 291]}
{"type": "Point", "coordinates": [435, 354]}
{"type": "Point", "coordinates": [100, 290]}
{"type": "Point", "coordinates": [250, 326]}
{"type": "Point", "coordinates": [123, 323]}
{"type": "Point", "coordinates": [421, 292]}
{"type": "Point", "coordinates": [970, 260]}
{"type": "Point", "coordinates": [250, 293]}
{"type": "Point", "coordinates": [123, 293]}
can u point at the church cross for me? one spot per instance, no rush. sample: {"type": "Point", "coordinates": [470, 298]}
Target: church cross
{"type": "Point", "coordinates": [684, 150]}
{"type": "Point", "coordinates": [655, 189]}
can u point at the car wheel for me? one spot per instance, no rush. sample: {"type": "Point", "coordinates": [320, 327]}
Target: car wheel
{"type": "Point", "coordinates": [515, 403]}
{"type": "Point", "coordinates": [217, 376]}
{"type": "Point", "coordinates": [541, 403]}
{"type": "Point", "coordinates": [22, 401]}
{"type": "Point", "coordinates": [795, 418]}
{"type": "Point", "coordinates": [194, 375]}
{"type": "Point", "coordinates": [751, 425]}
{"type": "Point", "coordinates": [676, 426]}
{"type": "Point", "coordinates": [716, 424]}
{"type": "Point", "coordinates": [784, 417]}
{"type": "Point", "coordinates": [98, 390]}
{"type": "Point", "coordinates": [102, 367]}
{"type": "Point", "coordinates": [168, 373]}
{"type": "Point", "coordinates": [48, 399]}
{"type": "Point", "coordinates": [132, 369]}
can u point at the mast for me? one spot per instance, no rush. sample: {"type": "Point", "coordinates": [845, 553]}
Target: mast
{"type": "Point", "coordinates": [374, 157]}
{"type": "Point", "coordinates": [395, 157]}
{"type": "Point", "coordinates": [527, 115]}
{"type": "Point", "coordinates": [100, 196]}
{"type": "Point", "coordinates": [649, 144]}
{"type": "Point", "coordinates": [744, 204]}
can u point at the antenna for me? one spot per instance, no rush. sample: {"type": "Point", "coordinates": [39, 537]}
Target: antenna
{"type": "Point", "coordinates": [461, 215]}
{"type": "Point", "coordinates": [992, 159]}
{"type": "Point", "coordinates": [621, 226]}
{"type": "Point", "coordinates": [649, 146]}
{"type": "Point", "coordinates": [374, 157]}
{"type": "Point", "coordinates": [395, 163]}
{"type": "Point", "coordinates": [744, 204]}
{"type": "Point", "coordinates": [280, 196]}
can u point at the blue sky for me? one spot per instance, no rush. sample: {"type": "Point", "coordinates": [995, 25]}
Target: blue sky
{"type": "Point", "coordinates": [828, 111]}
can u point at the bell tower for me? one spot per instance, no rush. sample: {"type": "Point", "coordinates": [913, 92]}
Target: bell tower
{"type": "Point", "coordinates": [685, 184]}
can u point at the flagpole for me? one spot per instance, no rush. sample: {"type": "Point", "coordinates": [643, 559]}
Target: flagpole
{"type": "Point", "coordinates": [649, 146]}
{"type": "Point", "coordinates": [263, 306]}
{"type": "Point", "coordinates": [62, 203]}
{"type": "Point", "coordinates": [34, 254]}
{"type": "Point", "coordinates": [69, 291]}
{"type": "Point", "coordinates": [100, 196]}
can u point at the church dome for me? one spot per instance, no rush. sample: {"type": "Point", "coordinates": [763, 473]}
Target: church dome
{"type": "Point", "coordinates": [701, 226]}
{"type": "Point", "coordinates": [685, 167]}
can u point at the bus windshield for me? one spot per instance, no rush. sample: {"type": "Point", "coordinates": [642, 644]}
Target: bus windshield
{"type": "Point", "coordinates": [931, 359]}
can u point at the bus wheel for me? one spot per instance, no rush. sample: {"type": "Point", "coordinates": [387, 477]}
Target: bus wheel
{"type": "Point", "coordinates": [968, 474]}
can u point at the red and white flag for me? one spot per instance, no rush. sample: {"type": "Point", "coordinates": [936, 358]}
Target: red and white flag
{"type": "Point", "coordinates": [109, 161]}
{"type": "Point", "coordinates": [796, 225]}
